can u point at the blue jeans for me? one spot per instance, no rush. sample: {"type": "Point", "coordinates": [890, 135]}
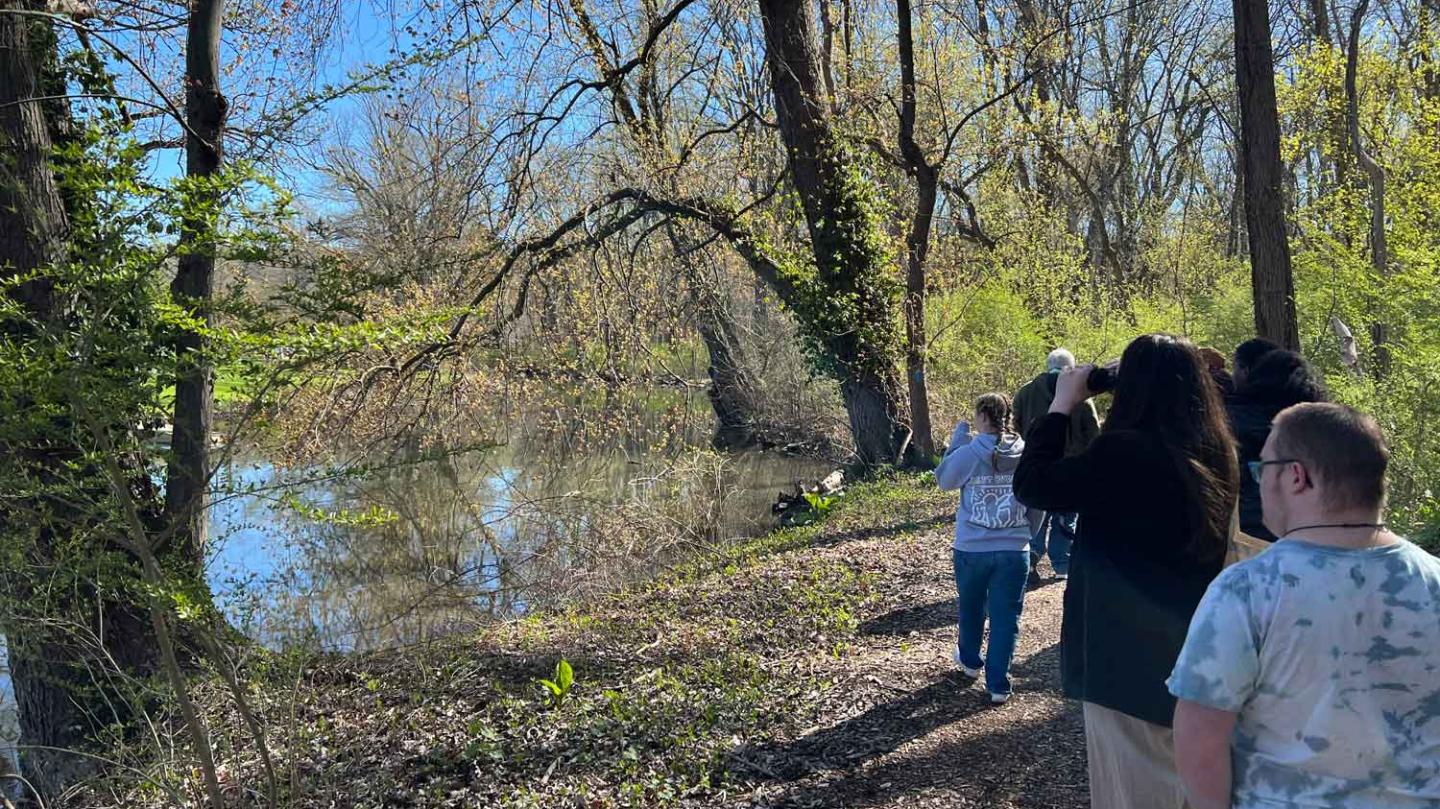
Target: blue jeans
{"type": "Point", "coordinates": [990, 582]}
{"type": "Point", "coordinates": [1061, 528]}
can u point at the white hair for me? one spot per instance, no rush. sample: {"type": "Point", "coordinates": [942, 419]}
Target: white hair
{"type": "Point", "coordinates": [1059, 360]}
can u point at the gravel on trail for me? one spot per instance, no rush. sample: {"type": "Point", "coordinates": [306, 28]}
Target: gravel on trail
{"type": "Point", "coordinates": [904, 728]}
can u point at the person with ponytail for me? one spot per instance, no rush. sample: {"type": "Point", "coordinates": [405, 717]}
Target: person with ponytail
{"type": "Point", "coordinates": [992, 537]}
{"type": "Point", "coordinates": [1155, 493]}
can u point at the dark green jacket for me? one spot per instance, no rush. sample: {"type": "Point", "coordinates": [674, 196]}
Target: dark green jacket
{"type": "Point", "coordinates": [1032, 402]}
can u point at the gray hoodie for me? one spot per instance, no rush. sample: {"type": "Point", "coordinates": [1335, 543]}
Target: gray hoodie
{"type": "Point", "coordinates": [982, 467]}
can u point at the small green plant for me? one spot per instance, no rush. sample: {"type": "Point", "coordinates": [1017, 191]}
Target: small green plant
{"type": "Point", "coordinates": [820, 505]}
{"type": "Point", "coordinates": [559, 688]}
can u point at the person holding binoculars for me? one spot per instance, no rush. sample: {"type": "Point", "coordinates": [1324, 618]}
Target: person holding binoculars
{"type": "Point", "coordinates": [1155, 493]}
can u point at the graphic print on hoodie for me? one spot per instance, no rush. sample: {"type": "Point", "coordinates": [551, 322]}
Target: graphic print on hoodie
{"type": "Point", "coordinates": [982, 467]}
{"type": "Point", "coordinates": [993, 503]}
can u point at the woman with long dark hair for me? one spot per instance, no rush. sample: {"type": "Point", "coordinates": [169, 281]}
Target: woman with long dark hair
{"type": "Point", "coordinates": [1155, 494]}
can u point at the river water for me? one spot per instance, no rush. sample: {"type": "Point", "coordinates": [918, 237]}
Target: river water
{"type": "Point", "coordinates": [575, 493]}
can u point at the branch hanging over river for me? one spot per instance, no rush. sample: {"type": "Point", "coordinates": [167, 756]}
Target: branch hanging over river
{"type": "Point", "coordinates": [548, 251]}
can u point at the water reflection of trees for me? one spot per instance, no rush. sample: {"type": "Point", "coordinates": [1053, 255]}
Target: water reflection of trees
{"type": "Point", "coordinates": [582, 496]}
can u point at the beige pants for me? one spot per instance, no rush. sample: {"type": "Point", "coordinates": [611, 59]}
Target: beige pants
{"type": "Point", "coordinates": [1132, 762]}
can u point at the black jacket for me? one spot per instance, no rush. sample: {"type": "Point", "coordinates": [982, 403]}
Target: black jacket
{"type": "Point", "coordinates": [1280, 379]}
{"type": "Point", "coordinates": [1133, 588]}
{"type": "Point", "coordinates": [1251, 422]}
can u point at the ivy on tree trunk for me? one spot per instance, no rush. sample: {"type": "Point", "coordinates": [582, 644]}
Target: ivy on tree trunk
{"type": "Point", "coordinates": [849, 306]}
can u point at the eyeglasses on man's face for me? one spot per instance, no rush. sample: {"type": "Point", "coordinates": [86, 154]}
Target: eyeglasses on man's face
{"type": "Point", "coordinates": [1257, 468]}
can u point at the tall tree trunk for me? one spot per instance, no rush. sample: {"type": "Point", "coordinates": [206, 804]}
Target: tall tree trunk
{"type": "Point", "coordinates": [1270, 271]}
{"type": "Point", "coordinates": [194, 284]}
{"type": "Point", "coordinates": [987, 51]}
{"type": "Point", "coordinates": [1045, 175]}
{"type": "Point", "coordinates": [62, 691]}
{"type": "Point", "coordinates": [1429, 15]}
{"type": "Point", "coordinates": [849, 262]}
{"type": "Point", "coordinates": [1375, 173]}
{"type": "Point", "coordinates": [33, 224]}
{"type": "Point", "coordinates": [917, 244]}
{"type": "Point", "coordinates": [1320, 21]}
{"type": "Point", "coordinates": [917, 241]}
{"type": "Point", "coordinates": [33, 227]}
{"type": "Point", "coordinates": [731, 386]}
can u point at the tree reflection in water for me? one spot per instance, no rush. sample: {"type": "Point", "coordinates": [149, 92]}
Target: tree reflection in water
{"type": "Point", "coordinates": [578, 496]}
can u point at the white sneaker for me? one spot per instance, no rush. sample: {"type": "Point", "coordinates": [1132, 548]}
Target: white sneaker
{"type": "Point", "coordinates": [964, 669]}
{"type": "Point", "coordinates": [999, 699]}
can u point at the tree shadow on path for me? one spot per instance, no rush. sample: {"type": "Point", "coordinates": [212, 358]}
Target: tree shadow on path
{"type": "Point", "coordinates": [905, 620]}
{"type": "Point", "coordinates": [1029, 762]}
{"type": "Point", "coordinates": [1026, 753]}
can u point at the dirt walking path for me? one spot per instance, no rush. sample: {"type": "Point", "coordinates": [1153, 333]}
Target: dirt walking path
{"type": "Point", "coordinates": [903, 728]}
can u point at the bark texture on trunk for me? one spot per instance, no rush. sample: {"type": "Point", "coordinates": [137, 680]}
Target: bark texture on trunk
{"type": "Point", "coordinates": [872, 405]}
{"type": "Point", "coordinates": [1271, 275]}
{"type": "Point", "coordinates": [916, 336]}
{"type": "Point", "coordinates": [193, 287]}
{"type": "Point", "coordinates": [68, 691]}
{"type": "Point", "coordinates": [33, 227]}
{"type": "Point", "coordinates": [917, 243]}
{"type": "Point", "coordinates": [33, 224]}
{"type": "Point", "coordinates": [1320, 21]}
{"type": "Point", "coordinates": [65, 691]}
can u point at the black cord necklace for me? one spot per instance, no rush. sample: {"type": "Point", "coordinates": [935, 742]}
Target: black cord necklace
{"type": "Point", "coordinates": [1378, 526]}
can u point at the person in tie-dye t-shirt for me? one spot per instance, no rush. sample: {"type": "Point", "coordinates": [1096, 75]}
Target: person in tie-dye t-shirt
{"type": "Point", "coordinates": [1311, 673]}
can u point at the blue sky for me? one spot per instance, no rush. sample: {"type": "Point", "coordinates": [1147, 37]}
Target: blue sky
{"type": "Point", "coordinates": [363, 37]}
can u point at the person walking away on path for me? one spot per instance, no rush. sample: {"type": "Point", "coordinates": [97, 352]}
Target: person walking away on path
{"type": "Point", "coordinates": [1155, 493]}
{"type": "Point", "coordinates": [1276, 381]}
{"type": "Point", "coordinates": [992, 530]}
{"type": "Point", "coordinates": [1309, 677]}
{"type": "Point", "coordinates": [1056, 529]}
